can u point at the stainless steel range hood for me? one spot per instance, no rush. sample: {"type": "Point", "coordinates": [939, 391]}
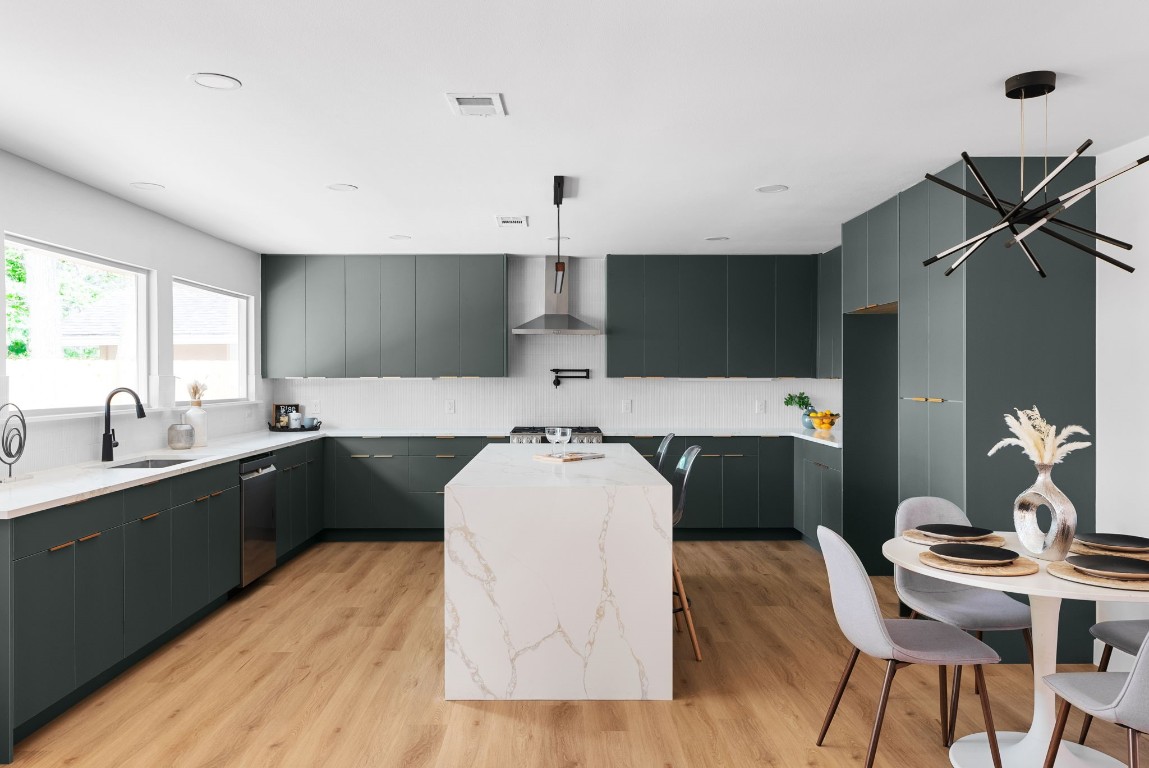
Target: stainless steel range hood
{"type": "Point", "coordinates": [557, 320]}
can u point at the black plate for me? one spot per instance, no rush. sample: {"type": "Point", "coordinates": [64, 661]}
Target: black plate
{"type": "Point", "coordinates": [974, 554]}
{"type": "Point", "coordinates": [955, 532]}
{"type": "Point", "coordinates": [1115, 541]}
{"type": "Point", "coordinates": [1110, 566]}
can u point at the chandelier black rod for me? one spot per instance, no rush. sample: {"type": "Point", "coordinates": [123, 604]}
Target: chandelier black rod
{"type": "Point", "coordinates": [1086, 187]}
{"type": "Point", "coordinates": [1082, 247]}
{"type": "Point", "coordinates": [981, 182]}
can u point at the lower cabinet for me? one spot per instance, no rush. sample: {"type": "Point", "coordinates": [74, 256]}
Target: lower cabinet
{"type": "Point", "coordinates": [370, 489]}
{"type": "Point", "coordinates": [147, 579]}
{"type": "Point", "coordinates": [775, 482]}
{"type": "Point", "coordinates": [99, 602]}
{"type": "Point", "coordinates": [817, 495]}
{"type": "Point", "coordinates": [191, 557]}
{"type": "Point", "coordinates": [44, 629]}
{"type": "Point", "coordinates": [704, 492]}
{"type": "Point", "coordinates": [226, 530]}
{"type": "Point", "coordinates": [299, 499]}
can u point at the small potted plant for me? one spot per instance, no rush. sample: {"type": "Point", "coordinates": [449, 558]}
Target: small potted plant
{"type": "Point", "coordinates": [801, 400]}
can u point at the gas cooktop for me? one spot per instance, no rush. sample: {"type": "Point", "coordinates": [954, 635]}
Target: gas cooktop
{"type": "Point", "coordinates": [539, 435]}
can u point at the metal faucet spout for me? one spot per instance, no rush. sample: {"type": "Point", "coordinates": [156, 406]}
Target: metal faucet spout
{"type": "Point", "coordinates": [109, 433]}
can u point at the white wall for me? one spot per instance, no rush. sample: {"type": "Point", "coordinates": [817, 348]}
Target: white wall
{"type": "Point", "coordinates": [43, 205]}
{"type": "Point", "coordinates": [527, 397]}
{"type": "Point", "coordinates": [1123, 358]}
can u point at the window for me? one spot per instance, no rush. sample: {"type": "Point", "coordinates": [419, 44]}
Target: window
{"type": "Point", "coordinates": [209, 340]}
{"type": "Point", "coordinates": [75, 324]}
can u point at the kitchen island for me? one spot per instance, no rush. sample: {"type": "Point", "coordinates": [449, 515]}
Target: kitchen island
{"type": "Point", "coordinates": [557, 577]}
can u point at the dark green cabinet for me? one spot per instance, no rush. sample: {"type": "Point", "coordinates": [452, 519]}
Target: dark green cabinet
{"type": "Point", "coordinates": [913, 298]}
{"type": "Point", "coordinates": [299, 499]}
{"type": "Point", "coordinates": [704, 493]}
{"type": "Point", "coordinates": [283, 292]}
{"type": "Point", "coordinates": [855, 277]}
{"type": "Point", "coordinates": [660, 316]}
{"type": "Point", "coordinates": [810, 516]}
{"type": "Point", "coordinates": [147, 579]}
{"type": "Point", "coordinates": [99, 602]}
{"type": "Point", "coordinates": [315, 496]}
{"type": "Point", "coordinates": [396, 316]}
{"type": "Point", "coordinates": [44, 629]}
{"type": "Point", "coordinates": [483, 315]}
{"type": "Point", "coordinates": [797, 316]}
{"type": "Point", "coordinates": [370, 489]}
{"type": "Point", "coordinates": [191, 557]}
{"type": "Point", "coordinates": [701, 316]}
{"type": "Point", "coordinates": [831, 500]}
{"type": "Point", "coordinates": [775, 482]}
{"type": "Point", "coordinates": [739, 490]}
{"type": "Point", "coordinates": [364, 326]}
{"type": "Point", "coordinates": [913, 449]}
{"type": "Point", "coordinates": [226, 542]}
{"type": "Point", "coordinates": [947, 451]}
{"type": "Point", "coordinates": [625, 316]}
{"type": "Point", "coordinates": [437, 316]}
{"type": "Point", "coordinates": [282, 511]}
{"type": "Point", "coordinates": [829, 364]}
{"type": "Point", "coordinates": [817, 473]}
{"type": "Point", "coordinates": [882, 253]}
{"type": "Point", "coordinates": [325, 318]}
{"type": "Point", "coordinates": [947, 295]}
{"type": "Point", "coordinates": [751, 316]}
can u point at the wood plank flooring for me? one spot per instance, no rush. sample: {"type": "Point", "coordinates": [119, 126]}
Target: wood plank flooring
{"type": "Point", "coordinates": [336, 659]}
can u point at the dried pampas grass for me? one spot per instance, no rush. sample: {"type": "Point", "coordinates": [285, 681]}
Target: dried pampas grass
{"type": "Point", "coordinates": [1040, 440]}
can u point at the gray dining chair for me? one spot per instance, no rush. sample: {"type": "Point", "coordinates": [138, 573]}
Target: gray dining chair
{"type": "Point", "coordinates": [1126, 636]}
{"type": "Point", "coordinates": [679, 482]}
{"type": "Point", "coordinates": [972, 609]}
{"type": "Point", "coordinates": [900, 642]}
{"type": "Point", "coordinates": [663, 449]}
{"type": "Point", "coordinates": [1115, 697]}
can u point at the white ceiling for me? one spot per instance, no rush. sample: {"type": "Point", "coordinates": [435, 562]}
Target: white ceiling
{"type": "Point", "coordinates": [667, 112]}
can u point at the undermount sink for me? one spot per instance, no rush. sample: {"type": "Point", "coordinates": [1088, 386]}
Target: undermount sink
{"type": "Point", "coordinates": [149, 464]}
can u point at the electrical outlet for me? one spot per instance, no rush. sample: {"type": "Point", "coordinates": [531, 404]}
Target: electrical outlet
{"type": "Point", "coordinates": [316, 407]}
{"type": "Point", "coordinates": [450, 406]}
{"type": "Point", "coordinates": [250, 414]}
{"type": "Point", "coordinates": [759, 406]}
{"type": "Point", "coordinates": [628, 406]}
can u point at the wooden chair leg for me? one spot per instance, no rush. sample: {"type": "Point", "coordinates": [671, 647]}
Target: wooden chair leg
{"type": "Point", "coordinates": [682, 598]}
{"type": "Point", "coordinates": [837, 696]}
{"type": "Point", "coordinates": [987, 715]}
{"type": "Point", "coordinates": [976, 684]}
{"type": "Point", "coordinates": [1106, 653]}
{"type": "Point", "coordinates": [677, 609]}
{"type": "Point", "coordinates": [913, 614]}
{"type": "Point", "coordinates": [891, 668]}
{"type": "Point", "coordinates": [1027, 636]}
{"type": "Point", "coordinates": [1134, 759]}
{"type": "Point", "coordinates": [944, 717]}
{"type": "Point", "coordinates": [1058, 731]}
{"type": "Point", "coordinates": [954, 696]}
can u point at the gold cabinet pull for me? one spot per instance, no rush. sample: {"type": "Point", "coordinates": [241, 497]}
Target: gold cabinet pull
{"type": "Point", "coordinates": [935, 400]}
{"type": "Point", "coordinates": [384, 456]}
{"type": "Point", "coordinates": [90, 536]}
{"type": "Point", "coordinates": [647, 455]}
{"type": "Point", "coordinates": [440, 493]}
{"type": "Point", "coordinates": [919, 399]}
{"type": "Point", "coordinates": [65, 545]}
{"type": "Point", "coordinates": [644, 437]}
{"type": "Point", "coordinates": [149, 517]}
{"type": "Point", "coordinates": [444, 455]}
{"type": "Point", "coordinates": [360, 455]}
{"type": "Point", "coordinates": [217, 493]}
{"type": "Point", "coordinates": [495, 437]}
{"type": "Point", "coordinates": [203, 498]}
{"type": "Point", "coordinates": [733, 455]}
{"type": "Point", "coordinates": [711, 455]}
{"type": "Point", "coordinates": [447, 437]}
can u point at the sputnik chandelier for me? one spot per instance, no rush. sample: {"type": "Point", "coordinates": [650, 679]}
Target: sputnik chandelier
{"type": "Point", "coordinates": [1026, 217]}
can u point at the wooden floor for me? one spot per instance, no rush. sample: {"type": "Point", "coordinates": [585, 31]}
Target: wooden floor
{"type": "Point", "coordinates": [336, 659]}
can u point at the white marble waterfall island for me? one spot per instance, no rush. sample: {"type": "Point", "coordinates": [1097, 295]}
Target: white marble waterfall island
{"type": "Point", "coordinates": [557, 577]}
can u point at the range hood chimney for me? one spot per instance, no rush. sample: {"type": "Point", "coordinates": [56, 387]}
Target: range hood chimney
{"type": "Point", "coordinates": [557, 320]}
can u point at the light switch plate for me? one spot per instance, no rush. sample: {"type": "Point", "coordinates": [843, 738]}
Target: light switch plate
{"type": "Point", "coordinates": [449, 406]}
{"type": "Point", "coordinates": [628, 406]}
{"type": "Point", "coordinates": [759, 406]}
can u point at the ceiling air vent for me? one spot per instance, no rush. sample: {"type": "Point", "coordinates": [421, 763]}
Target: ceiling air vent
{"type": "Point", "coordinates": [477, 104]}
{"type": "Point", "coordinates": [512, 221]}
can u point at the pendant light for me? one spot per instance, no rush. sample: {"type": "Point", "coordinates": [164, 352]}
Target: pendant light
{"type": "Point", "coordinates": [1026, 217]}
{"type": "Point", "coordinates": [560, 268]}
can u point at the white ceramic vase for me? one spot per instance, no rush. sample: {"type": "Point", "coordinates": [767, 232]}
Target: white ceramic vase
{"type": "Point", "coordinates": [197, 418]}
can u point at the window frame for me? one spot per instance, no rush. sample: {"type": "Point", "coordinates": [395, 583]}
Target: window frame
{"type": "Point", "coordinates": [144, 327]}
{"type": "Point", "coordinates": [246, 341]}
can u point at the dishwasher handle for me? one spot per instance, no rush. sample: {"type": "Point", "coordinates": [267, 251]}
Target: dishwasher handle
{"type": "Point", "coordinates": [258, 472]}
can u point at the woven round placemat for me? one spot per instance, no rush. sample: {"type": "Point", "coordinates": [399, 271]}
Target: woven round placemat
{"type": "Point", "coordinates": [1022, 566]}
{"type": "Point", "coordinates": [1064, 570]}
{"type": "Point", "coordinates": [1081, 548]}
{"type": "Point", "coordinates": [917, 537]}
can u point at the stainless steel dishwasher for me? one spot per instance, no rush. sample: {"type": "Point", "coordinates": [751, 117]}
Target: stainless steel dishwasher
{"type": "Point", "coordinates": [257, 486]}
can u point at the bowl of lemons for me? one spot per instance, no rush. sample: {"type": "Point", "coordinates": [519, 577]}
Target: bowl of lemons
{"type": "Point", "coordinates": [824, 419]}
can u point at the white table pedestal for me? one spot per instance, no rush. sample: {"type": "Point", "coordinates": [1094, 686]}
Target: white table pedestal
{"type": "Point", "coordinates": [1027, 750]}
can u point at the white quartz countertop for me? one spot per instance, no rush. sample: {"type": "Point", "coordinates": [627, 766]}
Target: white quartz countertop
{"type": "Point", "coordinates": [830, 438]}
{"type": "Point", "coordinates": [514, 466]}
{"type": "Point", "coordinates": [65, 485]}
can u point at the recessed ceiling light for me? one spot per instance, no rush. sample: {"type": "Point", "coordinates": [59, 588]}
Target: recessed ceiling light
{"type": "Point", "coordinates": [555, 237]}
{"type": "Point", "coordinates": [716, 238]}
{"type": "Point", "coordinates": [147, 186]}
{"type": "Point", "coordinates": [400, 237]}
{"type": "Point", "coordinates": [342, 187]}
{"type": "Point", "coordinates": [216, 81]}
{"type": "Point", "coordinates": [772, 188]}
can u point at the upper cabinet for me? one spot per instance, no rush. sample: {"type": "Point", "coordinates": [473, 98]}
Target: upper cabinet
{"type": "Point", "coordinates": [870, 258]}
{"type": "Point", "coordinates": [711, 316]}
{"type": "Point", "coordinates": [829, 364]}
{"type": "Point", "coordinates": [369, 316]}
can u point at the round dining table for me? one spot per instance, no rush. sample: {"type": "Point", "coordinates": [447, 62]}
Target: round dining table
{"type": "Point", "coordinates": [1045, 591]}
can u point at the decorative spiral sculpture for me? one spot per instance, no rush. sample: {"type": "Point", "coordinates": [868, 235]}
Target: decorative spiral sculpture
{"type": "Point", "coordinates": [13, 435]}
